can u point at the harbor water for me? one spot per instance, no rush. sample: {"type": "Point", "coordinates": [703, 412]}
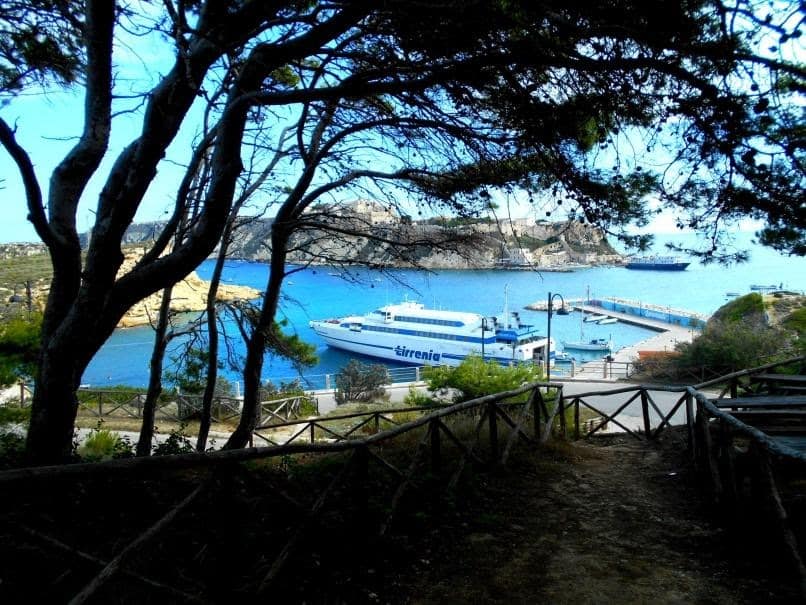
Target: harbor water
{"type": "Point", "coordinates": [322, 292]}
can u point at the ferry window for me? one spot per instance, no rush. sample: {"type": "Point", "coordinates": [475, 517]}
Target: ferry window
{"type": "Point", "coordinates": [432, 321]}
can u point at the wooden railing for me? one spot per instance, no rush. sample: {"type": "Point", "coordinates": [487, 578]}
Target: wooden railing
{"type": "Point", "coordinates": [178, 407]}
{"type": "Point", "coordinates": [711, 437]}
{"type": "Point", "coordinates": [739, 478]}
{"type": "Point", "coordinates": [492, 426]}
{"type": "Point", "coordinates": [498, 422]}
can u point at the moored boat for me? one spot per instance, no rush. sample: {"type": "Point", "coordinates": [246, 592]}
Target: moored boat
{"type": "Point", "coordinates": [409, 332]}
{"type": "Point", "coordinates": [607, 320]}
{"type": "Point", "coordinates": [763, 288]}
{"type": "Point", "coordinates": [597, 344]}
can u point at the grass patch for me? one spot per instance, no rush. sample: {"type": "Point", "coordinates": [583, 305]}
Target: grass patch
{"type": "Point", "coordinates": [741, 308]}
{"type": "Point", "coordinates": [14, 415]}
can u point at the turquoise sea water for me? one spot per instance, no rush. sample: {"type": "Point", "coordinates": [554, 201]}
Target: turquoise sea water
{"type": "Point", "coordinates": [323, 293]}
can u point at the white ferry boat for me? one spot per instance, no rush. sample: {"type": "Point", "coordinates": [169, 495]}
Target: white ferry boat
{"type": "Point", "coordinates": [410, 333]}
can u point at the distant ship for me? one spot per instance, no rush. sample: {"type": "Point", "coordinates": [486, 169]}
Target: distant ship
{"type": "Point", "coordinates": [657, 263]}
{"type": "Point", "coordinates": [409, 332]}
{"type": "Point", "coordinates": [765, 288]}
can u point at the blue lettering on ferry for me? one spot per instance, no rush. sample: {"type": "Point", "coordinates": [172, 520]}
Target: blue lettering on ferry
{"type": "Point", "coordinates": [403, 351]}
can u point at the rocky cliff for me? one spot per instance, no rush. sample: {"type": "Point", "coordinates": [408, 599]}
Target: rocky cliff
{"type": "Point", "coordinates": [189, 294]}
{"type": "Point", "coordinates": [435, 244]}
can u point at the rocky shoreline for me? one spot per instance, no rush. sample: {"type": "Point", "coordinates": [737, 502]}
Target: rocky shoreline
{"type": "Point", "coordinates": [189, 294]}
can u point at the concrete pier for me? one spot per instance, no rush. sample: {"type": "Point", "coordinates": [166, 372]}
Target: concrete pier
{"type": "Point", "coordinates": [627, 318]}
{"type": "Point", "coordinates": [667, 337]}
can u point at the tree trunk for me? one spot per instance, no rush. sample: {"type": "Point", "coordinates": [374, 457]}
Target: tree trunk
{"type": "Point", "coordinates": [155, 376]}
{"type": "Point", "coordinates": [256, 346]}
{"type": "Point", "coordinates": [53, 409]}
{"type": "Point", "coordinates": [212, 341]}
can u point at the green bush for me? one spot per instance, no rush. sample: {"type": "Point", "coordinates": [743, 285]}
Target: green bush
{"type": "Point", "coordinates": [745, 308]}
{"type": "Point", "coordinates": [14, 414]}
{"type": "Point", "coordinates": [361, 382]}
{"type": "Point", "coordinates": [730, 346]}
{"type": "Point", "coordinates": [796, 321]}
{"type": "Point", "coordinates": [12, 450]}
{"type": "Point", "coordinates": [102, 444]}
{"type": "Point", "coordinates": [270, 392]}
{"type": "Point", "coordinates": [475, 377]}
{"type": "Point", "coordinates": [176, 443]}
{"type": "Point", "coordinates": [418, 399]}
{"type": "Point", "coordinates": [19, 347]}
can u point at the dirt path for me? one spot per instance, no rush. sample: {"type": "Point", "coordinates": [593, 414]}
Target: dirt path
{"type": "Point", "coordinates": [616, 522]}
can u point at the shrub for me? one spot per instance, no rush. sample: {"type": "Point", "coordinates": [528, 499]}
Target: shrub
{"type": "Point", "coordinates": [12, 449]}
{"type": "Point", "coordinates": [418, 399]}
{"type": "Point", "coordinates": [360, 382]}
{"type": "Point", "coordinates": [796, 321]}
{"type": "Point", "coordinates": [475, 377]}
{"type": "Point", "coordinates": [176, 443]}
{"type": "Point", "coordinates": [745, 308]}
{"type": "Point", "coordinates": [19, 347]}
{"type": "Point", "coordinates": [730, 346]}
{"type": "Point", "coordinates": [270, 392]}
{"type": "Point", "coordinates": [188, 371]}
{"type": "Point", "coordinates": [14, 414]}
{"type": "Point", "coordinates": [102, 444]}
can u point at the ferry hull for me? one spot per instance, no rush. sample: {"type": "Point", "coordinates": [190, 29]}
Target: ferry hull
{"type": "Point", "coordinates": [420, 351]}
{"type": "Point", "coordinates": [658, 266]}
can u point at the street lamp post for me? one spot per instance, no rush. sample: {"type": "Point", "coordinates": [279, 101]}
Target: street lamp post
{"type": "Point", "coordinates": [548, 331]}
{"type": "Point", "coordinates": [483, 328]}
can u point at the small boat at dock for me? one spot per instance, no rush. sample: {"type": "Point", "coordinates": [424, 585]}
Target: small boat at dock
{"type": "Point", "coordinates": [593, 318]}
{"type": "Point", "coordinates": [607, 320]}
{"type": "Point", "coordinates": [597, 344]}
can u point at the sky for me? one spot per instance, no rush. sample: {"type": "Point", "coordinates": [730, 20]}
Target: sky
{"type": "Point", "coordinates": [48, 124]}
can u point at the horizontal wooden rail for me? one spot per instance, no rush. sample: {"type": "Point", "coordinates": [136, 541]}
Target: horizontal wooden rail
{"type": "Point", "coordinates": [216, 458]}
{"type": "Point", "coordinates": [748, 372]}
{"type": "Point", "coordinates": [770, 444]}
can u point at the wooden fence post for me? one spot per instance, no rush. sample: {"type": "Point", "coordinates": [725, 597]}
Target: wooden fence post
{"type": "Point", "coordinates": [436, 455]}
{"type": "Point", "coordinates": [706, 454]}
{"type": "Point", "coordinates": [767, 491]}
{"type": "Point", "coordinates": [360, 490]}
{"type": "Point", "coordinates": [734, 387]}
{"type": "Point", "coordinates": [492, 421]}
{"type": "Point", "coordinates": [645, 413]}
{"type": "Point", "coordinates": [561, 412]}
{"type": "Point", "coordinates": [727, 466]}
{"type": "Point", "coordinates": [690, 425]}
{"type": "Point", "coordinates": [576, 418]}
{"type": "Point", "coordinates": [537, 401]}
{"type": "Point", "coordinates": [377, 422]}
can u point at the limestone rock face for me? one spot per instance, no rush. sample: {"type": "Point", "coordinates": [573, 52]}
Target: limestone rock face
{"type": "Point", "coordinates": [481, 244]}
{"type": "Point", "coordinates": [189, 294]}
